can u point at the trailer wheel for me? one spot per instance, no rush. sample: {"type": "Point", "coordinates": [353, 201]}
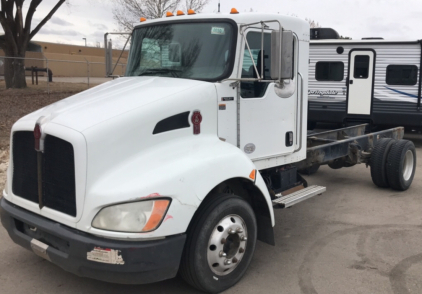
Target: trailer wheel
{"type": "Point", "coordinates": [401, 165]}
{"type": "Point", "coordinates": [220, 245]}
{"type": "Point", "coordinates": [378, 162]}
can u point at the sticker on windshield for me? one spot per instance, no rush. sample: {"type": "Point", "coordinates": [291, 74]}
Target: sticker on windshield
{"type": "Point", "coordinates": [218, 31]}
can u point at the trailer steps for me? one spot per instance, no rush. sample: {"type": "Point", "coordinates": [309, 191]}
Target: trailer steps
{"type": "Point", "coordinates": [299, 196]}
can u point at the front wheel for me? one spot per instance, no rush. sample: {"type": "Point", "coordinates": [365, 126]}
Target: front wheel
{"type": "Point", "coordinates": [220, 245]}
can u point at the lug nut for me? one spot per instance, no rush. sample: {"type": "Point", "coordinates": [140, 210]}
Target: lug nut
{"type": "Point", "coordinates": [232, 232]}
{"type": "Point", "coordinates": [223, 241]}
{"type": "Point", "coordinates": [223, 254]}
{"type": "Point", "coordinates": [239, 230]}
{"type": "Point", "coordinates": [241, 250]}
{"type": "Point", "coordinates": [227, 262]}
{"type": "Point", "coordinates": [243, 238]}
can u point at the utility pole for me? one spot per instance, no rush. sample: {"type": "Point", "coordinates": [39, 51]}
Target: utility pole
{"type": "Point", "coordinates": [85, 41]}
{"type": "Point", "coordinates": [218, 6]}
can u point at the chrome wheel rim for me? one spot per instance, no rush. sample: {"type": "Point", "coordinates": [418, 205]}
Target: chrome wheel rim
{"type": "Point", "coordinates": [408, 165]}
{"type": "Point", "coordinates": [227, 245]}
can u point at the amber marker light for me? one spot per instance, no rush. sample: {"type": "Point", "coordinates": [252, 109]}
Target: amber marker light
{"type": "Point", "coordinates": [252, 176]}
{"type": "Point", "coordinates": [157, 215]}
{"type": "Point", "coordinates": [143, 19]}
{"type": "Point", "coordinates": [191, 11]}
{"type": "Point", "coordinates": [169, 14]}
{"type": "Point", "coordinates": [234, 11]}
{"type": "Point", "coordinates": [179, 13]}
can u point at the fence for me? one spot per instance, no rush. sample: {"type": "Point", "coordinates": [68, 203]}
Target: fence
{"type": "Point", "coordinates": [66, 74]}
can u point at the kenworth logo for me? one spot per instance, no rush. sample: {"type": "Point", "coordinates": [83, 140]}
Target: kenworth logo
{"type": "Point", "coordinates": [322, 93]}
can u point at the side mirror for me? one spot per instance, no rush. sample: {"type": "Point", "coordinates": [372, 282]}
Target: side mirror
{"type": "Point", "coordinates": [282, 56]}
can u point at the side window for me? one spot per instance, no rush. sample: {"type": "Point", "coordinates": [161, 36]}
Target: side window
{"type": "Point", "coordinates": [361, 70]}
{"type": "Point", "coordinates": [329, 71]}
{"type": "Point", "coordinates": [402, 75]}
{"type": "Point", "coordinates": [256, 89]}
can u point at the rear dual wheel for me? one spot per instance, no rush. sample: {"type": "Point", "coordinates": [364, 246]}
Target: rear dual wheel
{"type": "Point", "coordinates": [393, 164]}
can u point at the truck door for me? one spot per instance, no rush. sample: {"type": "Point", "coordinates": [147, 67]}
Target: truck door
{"type": "Point", "coordinates": [266, 120]}
{"type": "Point", "coordinates": [361, 82]}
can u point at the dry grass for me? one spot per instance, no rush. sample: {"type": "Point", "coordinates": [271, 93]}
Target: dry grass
{"type": "Point", "coordinates": [14, 104]}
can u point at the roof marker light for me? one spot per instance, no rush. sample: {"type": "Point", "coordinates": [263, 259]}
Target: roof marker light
{"type": "Point", "coordinates": [37, 136]}
{"type": "Point", "coordinates": [169, 14]}
{"type": "Point", "coordinates": [191, 11]}
{"type": "Point", "coordinates": [143, 19]}
{"type": "Point", "coordinates": [179, 13]}
{"type": "Point", "coordinates": [234, 11]}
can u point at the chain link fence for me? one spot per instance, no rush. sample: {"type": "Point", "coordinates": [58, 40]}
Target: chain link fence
{"type": "Point", "coordinates": [52, 75]}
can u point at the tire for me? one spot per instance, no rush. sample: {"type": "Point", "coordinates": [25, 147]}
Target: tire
{"type": "Point", "coordinates": [213, 221]}
{"type": "Point", "coordinates": [401, 165]}
{"type": "Point", "coordinates": [378, 162]}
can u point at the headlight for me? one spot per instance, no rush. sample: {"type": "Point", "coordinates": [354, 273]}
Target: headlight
{"type": "Point", "coordinates": [132, 217]}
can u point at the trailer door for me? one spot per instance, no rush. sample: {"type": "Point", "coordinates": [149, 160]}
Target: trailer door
{"type": "Point", "coordinates": [361, 82]}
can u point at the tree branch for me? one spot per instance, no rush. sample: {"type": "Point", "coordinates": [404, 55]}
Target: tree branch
{"type": "Point", "coordinates": [47, 18]}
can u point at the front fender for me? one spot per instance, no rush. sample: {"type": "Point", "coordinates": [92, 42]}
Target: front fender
{"type": "Point", "coordinates": [184, 170]}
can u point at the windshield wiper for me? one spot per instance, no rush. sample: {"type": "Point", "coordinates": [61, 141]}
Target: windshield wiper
{"type": "Point", "coordinates": [161, 70]}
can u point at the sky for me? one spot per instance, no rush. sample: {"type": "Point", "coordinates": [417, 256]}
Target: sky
{"type": "Point", "coordinates": [390, 19]}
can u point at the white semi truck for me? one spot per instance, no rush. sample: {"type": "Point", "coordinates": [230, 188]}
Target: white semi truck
{"type": "Point", "coordinates": [179, 165]}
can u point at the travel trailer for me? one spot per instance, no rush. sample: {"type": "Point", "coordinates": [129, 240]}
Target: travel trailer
{"type": "Point", "coordinates": [364, 81]}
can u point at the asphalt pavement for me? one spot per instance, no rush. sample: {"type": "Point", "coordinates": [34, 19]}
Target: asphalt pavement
{"type": "Point", "coordinates": [355, 238]}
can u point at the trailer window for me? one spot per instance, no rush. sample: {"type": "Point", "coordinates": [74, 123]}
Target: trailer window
{"type": "Point", "coordinates": [402, 75]}
{"type": "Point", "coordinates": [329, 71]}
{"type": "Point", "coordinates": [256, 89]}
{"type": "Point", "coordinates": [361, 70]}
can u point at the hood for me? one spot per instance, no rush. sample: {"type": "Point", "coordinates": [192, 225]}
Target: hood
{"type": "Point", "coordinates": [111, 99]}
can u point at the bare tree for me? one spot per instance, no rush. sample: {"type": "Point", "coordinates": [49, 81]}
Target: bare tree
{"type": "Point", "coordinates": [17, 35]}
{"type": "Point", "coordinates": [128, 12]}
{"type": "Point", "coordinates": [312, 23]}
{"type": "Point", "coordinates": [197, 5]}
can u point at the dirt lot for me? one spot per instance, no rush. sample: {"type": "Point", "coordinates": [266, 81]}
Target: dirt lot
{"type": "Point", "coordinates": [16, 103]}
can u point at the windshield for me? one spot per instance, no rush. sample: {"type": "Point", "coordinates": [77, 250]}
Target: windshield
{"type": "Point", "coordinates": [200, 51]}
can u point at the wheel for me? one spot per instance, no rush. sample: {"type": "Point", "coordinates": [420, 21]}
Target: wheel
{"type": "Point", "coordinates": [401, 165]}
{"type": "Point", "coordinates": [309, 170]}
{"type": "Point", "coordinates": [220, 244]}
{"type": "Point", "coordinates": [378, 162]}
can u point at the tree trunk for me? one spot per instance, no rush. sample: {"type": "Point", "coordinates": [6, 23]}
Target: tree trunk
{"type": "Point", "coordinates": [8, 72]}
{"type": "Point", "coordinates": [19, 78]}
{"type": "Point", "coordinates": [14, 73]}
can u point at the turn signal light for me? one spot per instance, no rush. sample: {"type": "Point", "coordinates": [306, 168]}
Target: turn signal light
{"type": "Point", "coordinates": [143, 19]}
{"type": "Point", "coordinates": [191, 11]}
{"type": "Point", "coordinates": [157, 215]}
{"type": "Point", "coordinates": [179, 13]}
{"type": "Point", "coordinates": [169, 14]}
{"type": "Point", "coordinates": [234, 11]}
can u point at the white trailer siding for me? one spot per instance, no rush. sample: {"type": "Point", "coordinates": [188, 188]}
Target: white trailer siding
{"type": "Point", "coordinates": [328, 99]}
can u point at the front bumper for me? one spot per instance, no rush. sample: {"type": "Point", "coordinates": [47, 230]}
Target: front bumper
{"type": "Point", "coordinates": [125, 262]}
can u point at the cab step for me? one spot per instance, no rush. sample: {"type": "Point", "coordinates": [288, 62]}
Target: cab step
{"type": "Point", "coordinates": [299, 196]}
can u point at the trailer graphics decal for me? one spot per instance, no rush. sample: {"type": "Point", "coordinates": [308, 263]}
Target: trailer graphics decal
{"type": "Point", "coordinates": [403, 93]}
{"type": "Point", "coordinates": [107, 255]}
{"type": "Point", "coordinates": [322, 93]}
